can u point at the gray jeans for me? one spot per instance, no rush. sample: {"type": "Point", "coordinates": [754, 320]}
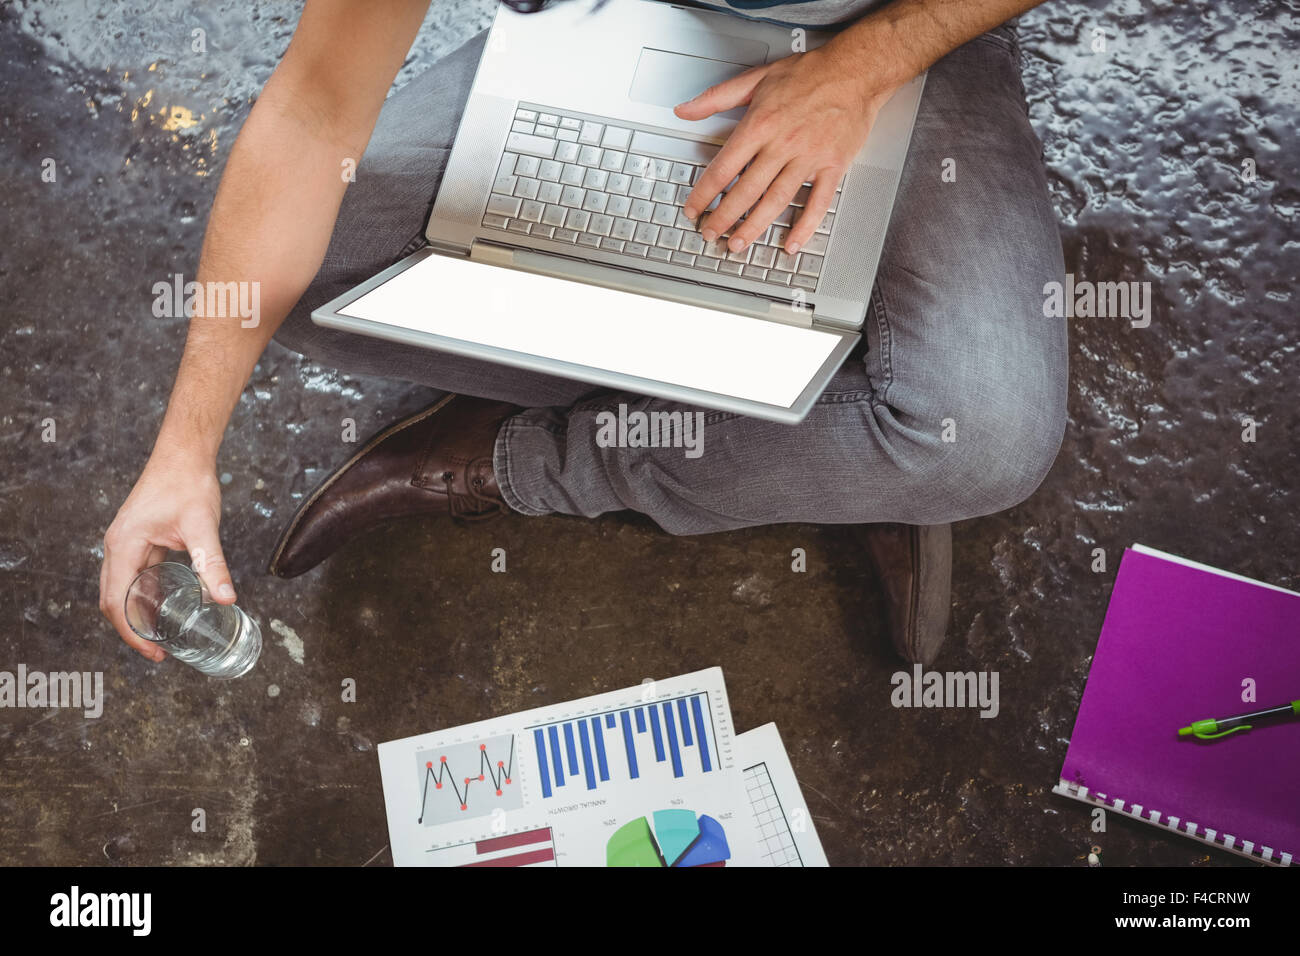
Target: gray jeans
{"type": "Point", "coordinates": [953, 407]}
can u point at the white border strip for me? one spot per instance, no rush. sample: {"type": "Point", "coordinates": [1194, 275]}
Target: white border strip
{"type": "Point", "coordinates": [1143, 549]}
{"type": "Point", "coordinates": [1248, 849]}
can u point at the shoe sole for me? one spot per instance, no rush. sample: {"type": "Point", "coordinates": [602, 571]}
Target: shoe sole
{"type": "Point", "coordinates": [936, 586]}
{"type": "Point", "coordinates": [343, 469]}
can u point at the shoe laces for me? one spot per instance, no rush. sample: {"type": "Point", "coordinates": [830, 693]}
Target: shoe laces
{"type": "Point", "coordinates": [473, 506]}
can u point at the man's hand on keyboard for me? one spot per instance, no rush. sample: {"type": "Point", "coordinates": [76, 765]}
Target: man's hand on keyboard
{"type": "Point", "coordinates": [808, 116]}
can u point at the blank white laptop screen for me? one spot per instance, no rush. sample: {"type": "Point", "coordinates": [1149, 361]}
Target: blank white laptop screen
{"type": "Point", "coordinates": [684, 345]}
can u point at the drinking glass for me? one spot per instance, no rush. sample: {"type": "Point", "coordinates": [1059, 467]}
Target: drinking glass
{"type": "Point", "coordinates": [168, 605]}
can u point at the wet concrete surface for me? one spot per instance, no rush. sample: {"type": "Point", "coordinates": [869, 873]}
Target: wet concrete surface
{"type": "Point", "coordinates": [1145, 142]}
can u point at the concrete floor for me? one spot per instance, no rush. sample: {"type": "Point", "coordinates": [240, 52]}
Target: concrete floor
{"type": "Point", "coordinates": [1144, 142]}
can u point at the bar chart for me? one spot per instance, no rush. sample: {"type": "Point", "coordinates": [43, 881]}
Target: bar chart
{"type": "Point", "coordinates": [665, 739]}
{"type": "Point", "coordinates": [529, 848]}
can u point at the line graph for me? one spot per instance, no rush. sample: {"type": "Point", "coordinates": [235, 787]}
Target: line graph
{"type": "Point", "coordinates": [466, 780]}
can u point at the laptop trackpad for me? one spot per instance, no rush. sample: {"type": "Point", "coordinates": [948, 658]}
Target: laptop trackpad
{"type": "Point", "coordinates": [664, 78]}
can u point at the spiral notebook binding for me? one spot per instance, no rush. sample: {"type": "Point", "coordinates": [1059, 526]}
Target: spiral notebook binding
{"type": "Point", "coordinates": [1136, 811]}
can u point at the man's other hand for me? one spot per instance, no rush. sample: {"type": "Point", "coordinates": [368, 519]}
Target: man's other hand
{"type": "Point", "coordinates": [808, 116]}
{"type": "Point", "coordinates": [176, 505]}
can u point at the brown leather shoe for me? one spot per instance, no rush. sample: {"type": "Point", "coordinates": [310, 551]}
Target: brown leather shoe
{"type": "Point", "coordinates": [915, 566]}
{"type": "Point", "coordinates": [437, 460]}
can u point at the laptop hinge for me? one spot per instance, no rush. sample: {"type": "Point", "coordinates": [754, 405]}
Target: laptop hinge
{"type": "Point", "coordinates": [835, 325]}
{"type": "Point", "coordinates": [791, 313]}
{"type": "Point", "coordinates": [451, 248]}
{"type": "Point", "coordinates": [644, 283]}
{"type": "Point", "coordinates": [492, 254]}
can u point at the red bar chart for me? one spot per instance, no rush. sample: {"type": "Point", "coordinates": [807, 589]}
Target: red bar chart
{"type": "Point", "coordinates": [528, 848]}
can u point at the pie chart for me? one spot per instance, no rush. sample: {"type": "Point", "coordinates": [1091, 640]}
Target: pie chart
{"type": "Point", "coordinates": [669, 838]}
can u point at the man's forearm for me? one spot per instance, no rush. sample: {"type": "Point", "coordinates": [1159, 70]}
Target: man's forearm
{"type": "Point", "coordinates": [899, 41]}
{"type": "Point", "coordinates": [270, 225]}
{"type": "Point", "coordinates": [280, 195]}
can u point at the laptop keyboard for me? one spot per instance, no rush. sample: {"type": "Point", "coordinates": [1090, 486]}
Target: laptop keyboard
{"type": "Point", "coordinates": [597, 185]}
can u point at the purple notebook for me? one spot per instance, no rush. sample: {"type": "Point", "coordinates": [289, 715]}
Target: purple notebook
{"type": "Point", "coordinates": [1178, 642]}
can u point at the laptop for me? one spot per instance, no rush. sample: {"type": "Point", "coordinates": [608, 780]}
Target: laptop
{"type": "Point", "coordinates": [557, 241]}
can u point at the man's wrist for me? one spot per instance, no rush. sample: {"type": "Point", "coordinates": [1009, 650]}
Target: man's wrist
{"type": "Point", "coordinates": [188, 452]}
{"type": "Point", "coordinates": [190, 435]}
{"type": "Point", "coordinates": [900, 41]}
{"type": "Point", "coordinates": [870, 52]}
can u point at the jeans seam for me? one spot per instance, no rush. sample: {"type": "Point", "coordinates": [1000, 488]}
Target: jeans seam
{"type": "Point", "coordinates": [886, 344]}
{"type": "Point", "coordinates": [846, 398]}
{"type": "Point", "coordinates": [544, 426]}
{"type": "Point", "coordinates": [416, 242]}
{"type": "Point", "coordinates": [1007, 38]}
{"type": "Point", "coordinates": [997, 40]}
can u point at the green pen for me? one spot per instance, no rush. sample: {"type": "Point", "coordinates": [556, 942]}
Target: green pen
{"type": "Point", "coordinates": [1214, 729]}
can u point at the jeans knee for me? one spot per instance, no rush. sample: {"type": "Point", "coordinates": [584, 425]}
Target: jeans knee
{"type": "Point", "coordinates": [986, 460]}
{"type": "Point", "coordinates": [1016, 465]}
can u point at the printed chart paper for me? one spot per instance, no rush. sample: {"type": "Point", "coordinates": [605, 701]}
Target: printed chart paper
{"type": "Point", "coordinates": [647, 776]}
{"type": "Point", "coordinates": [782, 824]}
